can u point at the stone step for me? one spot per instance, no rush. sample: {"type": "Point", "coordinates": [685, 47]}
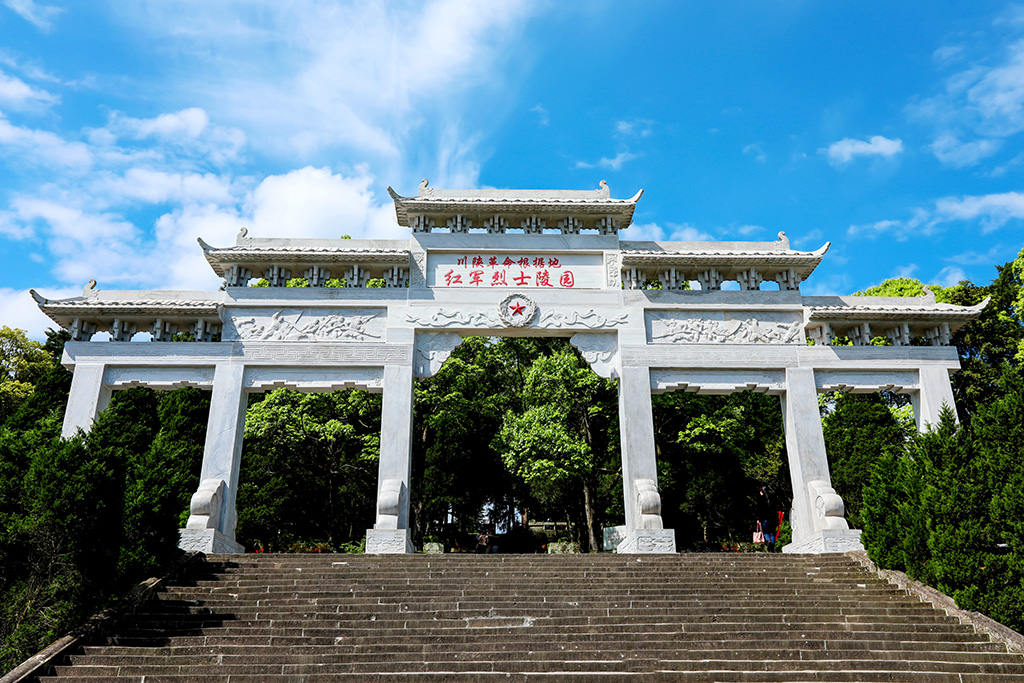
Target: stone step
{"type": "Point", "coordinates": [468, 618]}
{"type": "Point", "coordinates": [572, 662]}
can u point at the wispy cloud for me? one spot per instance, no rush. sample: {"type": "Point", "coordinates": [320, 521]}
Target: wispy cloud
{"type": "Point", "coordinates": [39, 15]}
{"type": "Point", "coordinates": [355, 77]}
{"type": "Point", "coordinates": [613, 164]}
{"type": "Point", "coordinates": [845, 150]}
{"type": "Point", "coordinates": [16, 94]}
{"type": "Point", "coordinates": [982, 103]}
{"type": "Point", "coordinates": [756, 151]}
{"type": "Point", "coordinates": [949, 150]}
{"type": "Point", "coordinates": [990, 212]}
{"type": "Point", "coordinates": [41, 147]}
{"type": "Point", "coordinates": [673, 232]}
{"type": "Point", "coordinates": [543, 117]}
{"type": "Point", "coordinates": [949, 276]}
{"type": "Point", "coordinates": [948, 54]}
{"type": "Point", "coordinates": [636, 128]}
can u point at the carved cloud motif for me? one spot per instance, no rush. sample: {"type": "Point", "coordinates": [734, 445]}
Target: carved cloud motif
{"type": "Point", "coordinates": [297, 327]}
{"type": "Point", "coordinates": [728, 331]}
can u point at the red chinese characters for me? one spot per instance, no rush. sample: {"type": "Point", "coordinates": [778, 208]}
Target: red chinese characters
{"type": "Point", "coordinates": [480, 270]}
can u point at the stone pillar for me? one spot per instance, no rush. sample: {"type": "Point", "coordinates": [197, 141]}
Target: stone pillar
{"type": "Point", "coordinates": [211, 525]}
{"type": "Point", "coordinates": [817, 514]}
{"type": "Point", "coordinates": [644, 531]}
{"type": "Point", "coordinates": [88, 397]}
{"type": "Point", "coordinates": [390, 533]}
{"type": "Point", "coordinates": [934, 391]}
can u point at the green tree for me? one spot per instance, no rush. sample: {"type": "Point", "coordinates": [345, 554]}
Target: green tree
{"type": "Point", "coordinates": [309, 469]}
{"type": "Point", "coordinates": [713, 454]}
{"type": "Point", "coordinates": [859, 429]}
{"type": "Point", "coordinates": [23, 363]}
{"type": "Point", "coordinates": [560, 442]}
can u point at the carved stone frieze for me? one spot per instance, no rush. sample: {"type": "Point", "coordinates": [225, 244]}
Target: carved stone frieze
{"type": "Point", "coordinates": [722, 328]}
{"type": "Point", "coordinates": [600, 350]}
{"type": "Point", "coordinates": [613, 268]}
{"type": "Point", "coordinates": [446, 318]}
{"type": "Point", "coordinates": [418, 276]}
{"type": "Point", "coordinates": [432, 350]}
{"type": "Point", "coordinates": [589, 320]}
{"type": "Point", "coordinates": [297, 324]}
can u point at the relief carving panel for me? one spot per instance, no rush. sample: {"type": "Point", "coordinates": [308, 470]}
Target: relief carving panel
{"type": "Point", "coordinates": [298, 324]}
{"type": "Point", "coordinates": [738, 327]}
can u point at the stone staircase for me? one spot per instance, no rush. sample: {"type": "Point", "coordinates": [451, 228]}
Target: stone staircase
{"type": "Point", "coordinates": [482, 618]}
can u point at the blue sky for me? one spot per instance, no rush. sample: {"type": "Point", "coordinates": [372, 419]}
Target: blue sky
{"type": "Point", "coordinates": [127, 129]}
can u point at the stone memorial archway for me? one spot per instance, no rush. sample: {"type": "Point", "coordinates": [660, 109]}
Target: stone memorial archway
{"type": "Point", "coordinates": [505, 263]}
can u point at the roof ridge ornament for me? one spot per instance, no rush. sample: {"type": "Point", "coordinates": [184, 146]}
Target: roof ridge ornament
{"type": "Point", "coordinates": [90, 291]}
{"type": "Point", "coordinates": [242, 237]}
{"type": "Point", "coordinates": [784, 240]}
{"type": "Point", "coordinates": [928, 295]}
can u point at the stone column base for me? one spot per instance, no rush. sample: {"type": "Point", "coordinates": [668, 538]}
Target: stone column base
{"type": "Point", "coordinates": [388, 542]}
{"type": "Point", "coordinates": [827, 541]}
{"type": "Point", "coordinates": [648, 541]}
{"type": "Point", "coordinates": [207, 541]}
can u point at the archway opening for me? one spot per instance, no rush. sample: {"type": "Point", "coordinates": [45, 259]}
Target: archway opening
{"type": "Point", "coordinates": [308, 478]}
{"type": "Point", "coordinates": [715, 452]}
{"type": "Point", "coordinates": [515, 438]}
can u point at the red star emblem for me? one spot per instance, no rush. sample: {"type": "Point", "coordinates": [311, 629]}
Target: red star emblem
{"type": "Point", "coordinates": [516, 308]}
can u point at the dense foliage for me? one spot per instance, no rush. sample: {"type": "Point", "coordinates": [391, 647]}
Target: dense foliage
{"type": "Point", "coordinates": [947, 506]}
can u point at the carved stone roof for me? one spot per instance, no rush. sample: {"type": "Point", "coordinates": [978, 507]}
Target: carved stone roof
{"type": "Point", "coordinates": [891, 308]}
{"type": "Point", "coordinates": [254, 255]}
{"type": "Point", "coordinates": [775, 255]}
{"type": "Point", "coordinates": [117, 304]}
{"type": "Point", "coordinates": [480, 204]}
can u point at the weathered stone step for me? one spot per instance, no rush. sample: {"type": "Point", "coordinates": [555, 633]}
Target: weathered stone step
{"type": "Point", "coordinates": [781, 647]}
{"type": "Point", "coordinates": [572, 662]}
{"type": "Point", "coordinates": [667, 676]}
{"type": "Point", "coordinates": [475, 619]}
{"type": "Point", "coordinates": [577, 652]}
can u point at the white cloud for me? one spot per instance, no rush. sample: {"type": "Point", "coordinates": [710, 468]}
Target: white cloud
{"type": "Point", "coordinates": [543, 117]}
{"type": "Point", "coordinates": [305, 77]}
{"type": "Point", "coordinates": [17, 94]}
{"type": "Point", "coordinates": [975, 258]}
{"type": "Point", "coordinates": [984, 101]}
{"type": "Point", "coordinates": [613, 164]}
{"type": "Point", "coordinates": [19, 310]}
{"type": "Point", "coordinates": [949, 276]}
{"type": "Point", "coordinates": [187, 122]}
{"type": "Point", "coordinates": [313, 202]}
{"type": "Point", "coordinates": [755, 150]}
{"type": "Point", "coordinates": [992, 210]}
{"type": "Point", "coordinates": [187, 132]}
{"type": "Point", "coordinates": [948, 54]}
{"type": "Point", "coordinates": [42, 148]}
{"type": "Point", "coordinates": [877, 228]}
{"type": "Point", "coordinates": [845, 150]}
{"type": "Point", "coordinates": [635, 128]}
{"type": "Point", "coordinates": [748, 230]}
{"type": "Point", "coordinates": [950, 151]}
{"type": "Point", "coordinates": [154, 187]}
{"type": "Point", "coordinates": [673, 232]}
{"type": "Point", "coordinates": [41, 16]}
{"type": "Point", "coordinates": [906, 271]}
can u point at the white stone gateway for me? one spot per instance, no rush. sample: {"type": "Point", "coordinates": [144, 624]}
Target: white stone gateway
{"type": "Point", "coordinates": [507, 263]}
